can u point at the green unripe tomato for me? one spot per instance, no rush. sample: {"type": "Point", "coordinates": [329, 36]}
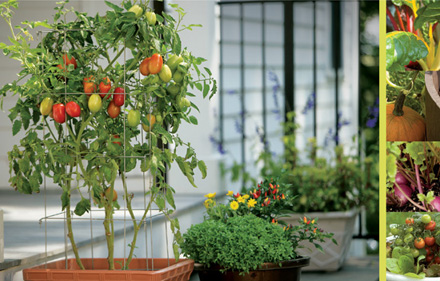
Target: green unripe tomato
{"type": "Point", "coordinates": [173, 61]}
{"type": "Point", "coordinates": [408, 238]}
{"type": "Point", "coordinates": [173, 89]}
{"type": "Point", "coordinates": [159, 118]}
{"type": "Point", "coordinates": [95, 103]}
{"type": "Point", "coordinates": [46, 106]}
{"type": "Point", "coordinates": [398, 242]}
{"type": "Point", "coordinates": [165, 73]}
{"type": "Point", "coordinates": [394, 230]}
{"type": "Point", "coordinates": [415, 253]}
{"type": "Point", "coordinates": [426, 218]}
{"type": "Point", "coordinates": [409, 229]}
{"type": "Point", "coordinates": [178, 77]}
{"type": "Point", "coordinates": [151, 18]}
{"type": "Point", "coordinates": [133, 118]}
{"type": "Point", "coordinates": [137, 10]}
{"type": "Point", "coordinates": [183, 67]}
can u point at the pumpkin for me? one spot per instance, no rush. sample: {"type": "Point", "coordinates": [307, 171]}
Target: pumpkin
{"type": "Point", "coordinates": [404, 123]}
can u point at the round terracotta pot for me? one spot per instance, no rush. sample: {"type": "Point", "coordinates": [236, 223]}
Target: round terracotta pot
{"type": "Point", "coordinates": [289, 270]}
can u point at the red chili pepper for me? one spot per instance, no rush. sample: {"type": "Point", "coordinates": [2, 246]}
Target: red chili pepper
{"type": "Point", "coordinates": [308, 222]}
{"type": "Point", "coordinates": [271, 186]}
{"type": "Point", "coordinates": [305, 220]}
{"type": "Point", "coordinates": [275, 191]}
{"type": "Point", "coordinates": [237, 195]}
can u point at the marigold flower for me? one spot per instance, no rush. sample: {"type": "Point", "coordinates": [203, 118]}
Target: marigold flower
{"type": "Point", "coordinates": [241, 199]}
{"type": "Point", "coordinates": [209, 203]}
{"type": "Point", "coordinates": [251, 203]}
{"type": "Point", "coordinates": [230, 193]}
{"type": "Point", "coordinates": [234, 205]}
{"type": "Point", "coordinates": [210, 195]}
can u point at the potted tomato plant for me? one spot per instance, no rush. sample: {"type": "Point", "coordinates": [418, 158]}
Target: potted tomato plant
{"type": "Point", "coordinates": [245, 238]}
{"type": "Point", "coordinates": [98, 97]}
{"type": "Point", "coordinates": [413, 248]}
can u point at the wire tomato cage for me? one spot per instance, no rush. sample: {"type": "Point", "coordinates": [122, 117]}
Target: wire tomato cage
{"type": "Point", "coordinates": [123, 214]}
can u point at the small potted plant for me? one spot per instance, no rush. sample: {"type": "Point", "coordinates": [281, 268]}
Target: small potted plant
{"type": "Point", "coordinates": [245, 239]}
{"type": "Point", "coordinates": [413, 247]}
{"type": "Point", "coordinates": [99, 97]}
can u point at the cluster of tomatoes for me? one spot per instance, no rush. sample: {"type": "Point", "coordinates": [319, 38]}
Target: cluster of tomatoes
{"type": "Point", "coordinates": [420, 236]}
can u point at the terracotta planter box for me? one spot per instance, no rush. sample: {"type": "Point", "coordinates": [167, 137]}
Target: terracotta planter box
{"type": "Point", "coordinates": [290, 270]}
{"type": "Point", "coordinates": [180, 271]}
{"type": "Point", "coordinates": [339, 223]}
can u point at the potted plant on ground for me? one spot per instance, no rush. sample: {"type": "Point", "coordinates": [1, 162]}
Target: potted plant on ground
{"type": "Point", "coordinates": [243, 239]}
{"type": "Point", "coordinates": [99, 97]}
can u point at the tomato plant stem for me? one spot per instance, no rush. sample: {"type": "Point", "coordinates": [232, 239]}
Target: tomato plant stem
{"type": "Point", "coordinates": [70, 234]}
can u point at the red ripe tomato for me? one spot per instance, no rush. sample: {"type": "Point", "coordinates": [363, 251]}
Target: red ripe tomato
{"type": "Point", "coordinates": [117, 137]}
{"type": "Point", "coordinates": [429, 241]}
{"type": "Point", "coordinates": [59, 113]}
{"type": "Point", "coordinates": [437, 260]}
{"type": "Point", "coordinates": [143, 67]}
{"type": "Point", "coordinates": [89, 85]}
{"type": "Point", "coordinates": [119, 96]}
{"type": "Point", "coordinates": [73, 109]}
{"type": "Point", "coordinates": [68, 61]}
{"type": "Point", "coordinates": [409, 221]}
{"type": "Point", "coordinates": [104, 87]}
{"type": "Point", "coordinates": [155, 64]}
{"type": "Point", "coordinates": [430, 226]}
{"type": "Point", "coordinates": [428, 251]}
{"type": "Point", "coordinates": [419, 243]}
{"type": "Point", "coordinates": [429, 258]}
{"type": "Point", "coordinates": [113, 110]}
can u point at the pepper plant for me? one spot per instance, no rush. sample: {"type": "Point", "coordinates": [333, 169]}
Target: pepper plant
{"type": "Point", "coordinates": [96, 97]}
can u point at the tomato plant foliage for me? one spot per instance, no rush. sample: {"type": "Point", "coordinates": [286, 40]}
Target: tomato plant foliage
{"type": "Point", "coordinates": [81, 155]}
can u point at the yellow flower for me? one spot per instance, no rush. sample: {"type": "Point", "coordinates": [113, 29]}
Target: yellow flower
{"type": "Point", "coordinates": [230, 193]}
{"type": "Point", "coordinates": [209, 203]}
{"type": "Point", "coordinates": [251, 203]}
{"type": "Point", "coordinates": [210, 195]}
{"type": "Point", "coordinates": [241, 199]}
{"type": "Point", "coordinates": [246, 196]}
{"type": "Point", "coordinates": [234, 205]}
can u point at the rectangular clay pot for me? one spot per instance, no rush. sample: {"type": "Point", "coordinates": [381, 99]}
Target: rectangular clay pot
{"type": "Point", "coordinates": [179, 271]}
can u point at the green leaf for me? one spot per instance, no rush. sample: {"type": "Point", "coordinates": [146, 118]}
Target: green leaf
{"type": "Point", "coordinates": [16, 127]}
{"type": "Point", "coordinates": [160, 202]}
{"type": "Point", "coordinates": [113, 6]}
{"type": "Point", "coordinates": [393, 265]}
{"type": "Point", "coordinates": [193, 120]}
{"type": "Point", "coordinates": [82, 207]}
{"type": "Point", "coordinates": [427, 14]}
{"type": "Point", "coordinates": [170, 198]}
{"type": "Point", "coordinates": [401, 48]}
{"type": "Point", "coordinates": [65, 200]}
{"type": "Point", "coordinates": [202, 168]}
{"type": "Point", "coordinates": [406, 264]}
